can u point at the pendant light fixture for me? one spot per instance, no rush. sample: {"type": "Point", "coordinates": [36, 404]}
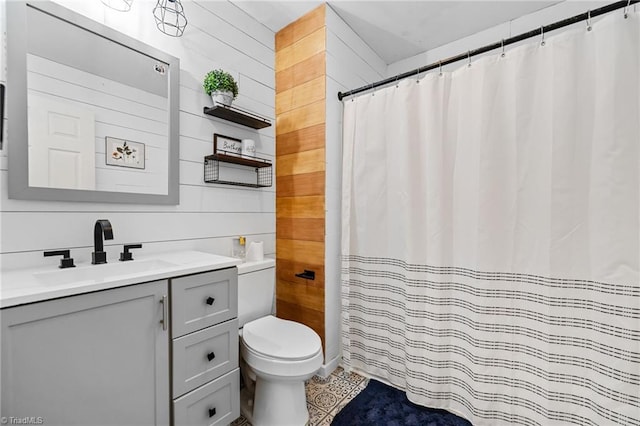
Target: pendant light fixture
{"type": "Point", "coordinates": [170, 17]}
{"type": "Point", "coordinates": [119, 5]}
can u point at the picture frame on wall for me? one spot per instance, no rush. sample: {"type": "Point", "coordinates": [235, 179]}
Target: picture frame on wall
{"type": "Point", "coordinates": [226, 145]}
{"type": "Point", "coordinates": [124, 153]}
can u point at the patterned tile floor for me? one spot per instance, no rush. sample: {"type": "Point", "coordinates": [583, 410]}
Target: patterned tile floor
{"type": "Point", "coordinates": [325, 397]}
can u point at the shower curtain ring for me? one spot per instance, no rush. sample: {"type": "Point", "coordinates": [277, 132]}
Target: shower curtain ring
{"type": "Point", "coordinates": [418, 76]}
{"type": "Point", "coordinates": [589, 20]}
{"type": "Point", "coordinates": [397, 82]}
{"type": "Point", "coordinates": [626, 9]}
{"type": "Point", "coordinates": [373, 90]}
{"type": "Point", "coordinates": [469, 58]}
{"type": "Point", "coordinates": [502, 45]}
{"type": "Point", "coordinates": [542, 43]}
{"type": "Point", "coordinates": [440, 69]}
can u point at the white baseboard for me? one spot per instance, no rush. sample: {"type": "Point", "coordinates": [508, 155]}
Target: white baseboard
{"type": "Point", "coordinates": [328, 368]}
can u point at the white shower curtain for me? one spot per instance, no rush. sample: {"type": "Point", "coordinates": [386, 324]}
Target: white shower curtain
{"type": "Point", "coordinates": [491, 233]}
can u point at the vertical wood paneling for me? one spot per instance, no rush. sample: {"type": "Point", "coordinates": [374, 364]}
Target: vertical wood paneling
{"type": "Point", "coordinates": [301, 28]}
{"type": "Point", "coordinates": [309, 296]}
{"type": "Point", "coordinates": [301, 49]}
{"type": "Point", "coordinates": [309, 229]}
{"type": "Point", "coordinates": [301, 95]}
{"type": "Point", "coordinates": [309, 69]}
{"type": "Point", "coordinates": [300, 164]}
{"type": "Point", "coordinates": [301, 207]}
{"type": "Point", "coordinates": [301, 184]}
{"type": "Point", "coordinates": [288, 269]}
{"type": "Point", "coordinates": [300, 118]}
{"type": "Point", "coordinates": [301, 140]}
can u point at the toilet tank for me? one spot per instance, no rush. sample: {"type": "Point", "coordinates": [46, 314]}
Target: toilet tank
{"type": "Point", "coordinates": [256, 290]}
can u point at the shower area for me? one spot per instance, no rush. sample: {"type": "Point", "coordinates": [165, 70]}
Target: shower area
{"type": "Point", "coordinates": [491, 230]}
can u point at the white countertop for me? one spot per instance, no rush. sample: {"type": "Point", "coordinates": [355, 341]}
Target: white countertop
{"type": "Point", "coordinates": [38, 284]}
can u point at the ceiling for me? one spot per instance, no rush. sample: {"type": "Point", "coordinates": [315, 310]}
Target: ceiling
{"type": "Point", "coordinates": [397, 30]}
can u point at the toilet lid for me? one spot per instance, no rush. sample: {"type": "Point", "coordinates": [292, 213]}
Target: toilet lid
{"type": "Point", "coordinates": [283, 339]}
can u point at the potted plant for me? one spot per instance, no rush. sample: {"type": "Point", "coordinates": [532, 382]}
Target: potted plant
{"type": "Point", "coordinates": [221, 86]}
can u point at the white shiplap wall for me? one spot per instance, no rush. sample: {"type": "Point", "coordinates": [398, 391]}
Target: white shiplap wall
{"type": "Point", "coordinates": [350, 63]}
{"type": "Point", "coordinates": [494, 34]}
{"type": "Point", "coordinates": [219, 35]}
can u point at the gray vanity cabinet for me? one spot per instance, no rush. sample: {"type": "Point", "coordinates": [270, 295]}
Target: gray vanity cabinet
{"type": "Point", "coordinates": [96, 358]}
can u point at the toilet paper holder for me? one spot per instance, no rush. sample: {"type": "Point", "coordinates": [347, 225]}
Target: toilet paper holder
{"type": "Point", "coordinates": [307, 275]}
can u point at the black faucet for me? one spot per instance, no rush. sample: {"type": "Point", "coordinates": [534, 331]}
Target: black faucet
{"type": "Point", "coordinates": [103, 226]}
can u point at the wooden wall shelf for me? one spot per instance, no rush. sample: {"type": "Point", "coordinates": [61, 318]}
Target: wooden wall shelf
{"type": "Point", "coordinates": [238, 115]}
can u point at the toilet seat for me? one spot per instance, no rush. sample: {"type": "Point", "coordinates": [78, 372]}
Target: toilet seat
{"type": "Point", "coordinates": [278, 339]}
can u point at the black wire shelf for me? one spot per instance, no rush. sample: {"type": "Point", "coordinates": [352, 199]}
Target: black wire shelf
{"type": "Point", "coordinates": [263, 169]}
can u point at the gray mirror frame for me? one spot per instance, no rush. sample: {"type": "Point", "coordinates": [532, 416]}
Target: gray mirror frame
{"type": "Point", "coordinates": [17, 127]}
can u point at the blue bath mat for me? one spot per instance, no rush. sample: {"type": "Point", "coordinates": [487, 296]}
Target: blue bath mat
{"type": "Point", "coordinates": [382, 405]}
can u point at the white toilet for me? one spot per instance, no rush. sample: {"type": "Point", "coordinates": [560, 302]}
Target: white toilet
{"type": "Point", "coordinates": [277, 354]}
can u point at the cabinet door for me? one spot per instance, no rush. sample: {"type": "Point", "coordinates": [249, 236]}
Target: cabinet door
{"type": "Point", "coordinates": [93, 359]}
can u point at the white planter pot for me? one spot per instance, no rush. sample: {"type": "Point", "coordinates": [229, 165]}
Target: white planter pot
{"type": "Point", "coordinates": [222, 98]}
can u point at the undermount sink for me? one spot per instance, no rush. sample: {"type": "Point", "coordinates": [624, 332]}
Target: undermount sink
{"type": "Point", "coordinates": [100, 273]}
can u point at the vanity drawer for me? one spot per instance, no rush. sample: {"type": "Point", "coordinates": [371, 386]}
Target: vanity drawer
{"type": "Point", "coordinates": [203, 300]}
{"type": "Point", "coordinates": [216, 403]}
{"type": "Point", "coordinates": [204, 355]}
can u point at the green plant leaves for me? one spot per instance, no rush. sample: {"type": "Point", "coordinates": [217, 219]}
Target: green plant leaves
{"type": "Point", "coordinates": [220, 80]}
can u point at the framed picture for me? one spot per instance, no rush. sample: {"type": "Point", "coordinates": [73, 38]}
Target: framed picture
{"type": "Point", "coordinates": [124, 153]}
{"type": "Point", "coordinates": [231, 146]}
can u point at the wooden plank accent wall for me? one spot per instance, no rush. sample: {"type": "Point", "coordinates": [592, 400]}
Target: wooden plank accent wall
{"type": "Point", "coordinates": [300, 168]}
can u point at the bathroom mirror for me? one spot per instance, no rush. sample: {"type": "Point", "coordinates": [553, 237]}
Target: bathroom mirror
{"type": "Point", "coordinates": [93, 113]}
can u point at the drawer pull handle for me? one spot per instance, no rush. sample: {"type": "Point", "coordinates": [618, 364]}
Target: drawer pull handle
{"type": "Point", "coordinates": [212, 412]}
{"type": "Point", "coordinates": [210, 300]}
{"type": "Point", "coordinates": [165, 312]}
{"type": "Point", "coordinates": [211, 356]}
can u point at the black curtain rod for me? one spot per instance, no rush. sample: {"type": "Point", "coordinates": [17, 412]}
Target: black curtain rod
{"type": "Point", "coordinates": [507, 41]}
